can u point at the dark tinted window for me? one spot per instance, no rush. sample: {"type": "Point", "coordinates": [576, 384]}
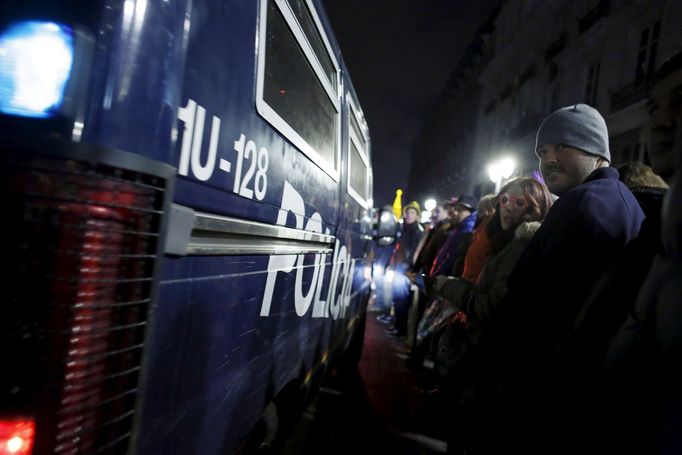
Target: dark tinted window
{"type": "Point", "coordinates": [356, 127]}
{"type": "Point", "coordinates": [294, 92]}
{"type": "Point", "coordinates": [358, 172]}
{"type": "Point", "coordinates": [305, 19]}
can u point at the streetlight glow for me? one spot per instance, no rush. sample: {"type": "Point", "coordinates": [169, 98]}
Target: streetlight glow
{"type": "Point", "coordinates": [501, 169]}
{"type": "Point", "coordinates": [430, 204]}
{"type": "Point", "coordinates": [494, 172]}
{"type": "Point", "coordinates": [507, 166]}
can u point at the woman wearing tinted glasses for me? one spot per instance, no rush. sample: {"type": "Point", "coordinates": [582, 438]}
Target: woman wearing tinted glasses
{"type": "Point", "coordinates": [521, 205]}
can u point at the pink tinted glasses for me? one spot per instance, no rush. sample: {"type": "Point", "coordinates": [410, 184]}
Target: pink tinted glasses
{"type": "Point", "coordinates": [516, 202]}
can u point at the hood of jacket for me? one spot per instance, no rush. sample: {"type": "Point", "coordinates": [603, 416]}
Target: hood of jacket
{"type": "Point", "coordinates": [526, 230]}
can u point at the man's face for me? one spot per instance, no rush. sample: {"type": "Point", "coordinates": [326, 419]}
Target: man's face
{"type": "Point", "coordinates": [565, 167]}
{"type": "Point", "coordinates": [459, 213]}
{"type": "Point", "coordinates": [438, 214]}
{"type": "Point", "coordinates": [410, 216]}
{"type": "Point", "coordinates": [665, 107]}
{"type": "Point", "coordinates": [451, 212]}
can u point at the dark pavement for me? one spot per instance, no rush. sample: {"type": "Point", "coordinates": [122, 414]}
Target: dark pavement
{"type": "Point", "coordinates": [377, 409]}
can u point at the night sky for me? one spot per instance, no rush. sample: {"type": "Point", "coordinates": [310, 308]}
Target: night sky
{"type": "Point", "coordinates": [400, 54]}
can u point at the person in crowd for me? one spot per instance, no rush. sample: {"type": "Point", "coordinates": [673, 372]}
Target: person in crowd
{"type": "Point", "coordinates": [410, 235]}
{"type": "Point", "coordinates": [521, 205]}
{"type": "Point", "coordinates": [435, 238]}
{"type": "Point", "coordinates": [615, 292]}
{"type": "Point", "coordinates": [643, 369]}
{"type": "Point", "coordinates": [463, 218]}
{"type": "Point", "coordinates": [401, 261]}
{"type": "Point", "coordinates": [424, 254]}
{"type": "Point", "coordinates": [439, 213]}
{"type": "Point", "coordinates": [644, 184]}
{"type": "Point", "coordinates": [584, 233]}
{"type": "Point", "coordinates": [664, 106]}
{"type": "Point", "coordinates": [478, 251]}
{"type": "Point", "coordinates": [486, 209]}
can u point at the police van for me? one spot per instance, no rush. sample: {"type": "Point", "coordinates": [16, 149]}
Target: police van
{"type": "Point", "coordinates": [188, 200]}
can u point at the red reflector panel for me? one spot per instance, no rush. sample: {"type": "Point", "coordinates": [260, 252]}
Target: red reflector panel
{"type": "Point", "coordinates": [16, 436]}
{"type": "Point", "coordinates": [84, 240]}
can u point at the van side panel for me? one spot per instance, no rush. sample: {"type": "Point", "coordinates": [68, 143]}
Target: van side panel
{"type": "Point", "coordinates": [175, 81]}
{"type": "Point", "coordinates": [231, 332]}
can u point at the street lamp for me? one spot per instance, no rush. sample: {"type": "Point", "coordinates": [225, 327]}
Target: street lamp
{"type": "Point", "coordinates": [429, 205]}
{"type": "Point", "coordinates": [500, 170]}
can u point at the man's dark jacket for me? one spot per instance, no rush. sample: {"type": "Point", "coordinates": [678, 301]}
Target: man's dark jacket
{"type": "Point", "coordinates": [584, 233]}
{"type": "Point", "coordinates": [615, 294]}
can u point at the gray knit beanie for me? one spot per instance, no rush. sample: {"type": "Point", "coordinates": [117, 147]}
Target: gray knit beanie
{"type": "Point", "coordinates": [579, 126]}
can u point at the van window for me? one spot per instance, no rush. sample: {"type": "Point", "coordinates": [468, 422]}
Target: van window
{"type": "Point", "coordinates": [358, 160]}
{"type": "Point", "coordinates": [308, 23]}
{"type": "Point", "coordinates": [297, 88]}
{"type": "Point", "coordinates": [358, 173]}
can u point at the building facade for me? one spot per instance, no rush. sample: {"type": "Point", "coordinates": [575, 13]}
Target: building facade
{"type": "Point", "coordinates": [441, 165]}
{"type": "Point", "coordinates": [543, 55]}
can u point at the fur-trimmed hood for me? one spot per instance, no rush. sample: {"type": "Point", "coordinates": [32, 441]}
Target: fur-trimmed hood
{"type": "Point", "coordinates": [526, 230]}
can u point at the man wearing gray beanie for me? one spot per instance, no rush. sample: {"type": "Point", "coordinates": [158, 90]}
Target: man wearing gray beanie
{"type": "Point", "coordinates": [582, 236]}
{"type": "Point", "coordinates": [571, 143]}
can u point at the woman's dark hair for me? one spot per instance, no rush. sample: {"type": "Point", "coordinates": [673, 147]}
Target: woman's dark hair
{"type": "Point", "coordinates": [539, 202]}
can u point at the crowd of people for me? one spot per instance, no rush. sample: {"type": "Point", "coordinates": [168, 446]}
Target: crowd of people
{"type": "Point", "coordinates": [552, 310]}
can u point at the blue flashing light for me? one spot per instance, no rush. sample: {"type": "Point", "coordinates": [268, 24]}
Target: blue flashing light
{"type": "Point", "coordinates": [36, 59]}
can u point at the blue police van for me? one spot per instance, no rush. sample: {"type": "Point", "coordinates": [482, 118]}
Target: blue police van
{"type": "Point", "coordinates": [188, 200]}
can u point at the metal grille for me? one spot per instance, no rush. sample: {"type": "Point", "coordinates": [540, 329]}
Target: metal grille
{"type": "Point", "coordinates": [83, 240]}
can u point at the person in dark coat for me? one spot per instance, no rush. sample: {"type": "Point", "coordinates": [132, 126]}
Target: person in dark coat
{"type": "Point", "coordinates": [647, 187]}
{"type": "Point", "coordinates": [434, 239]}
{"type": "Point", "coordinates": [410, 236]}
{"type": "Point", "coordinates": [424, 256]}
{"type": "Point", "coordinates": [584, 233]}
{"type": "Point", "coordinates": [615, 293]}
{"type": "Point", "coordinates": [643, 367]}
{"type": "Point", "coordinates": [464, 218]}
{"type": "Point", "coordinates": [401, 261]}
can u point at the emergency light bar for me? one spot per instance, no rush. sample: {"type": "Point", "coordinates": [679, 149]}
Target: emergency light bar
{"type": "Point", "coordinates": [41, 69]}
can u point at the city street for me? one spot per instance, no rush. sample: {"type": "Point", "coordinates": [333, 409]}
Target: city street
{"type": "Point", "coordinates": [380, 409]}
